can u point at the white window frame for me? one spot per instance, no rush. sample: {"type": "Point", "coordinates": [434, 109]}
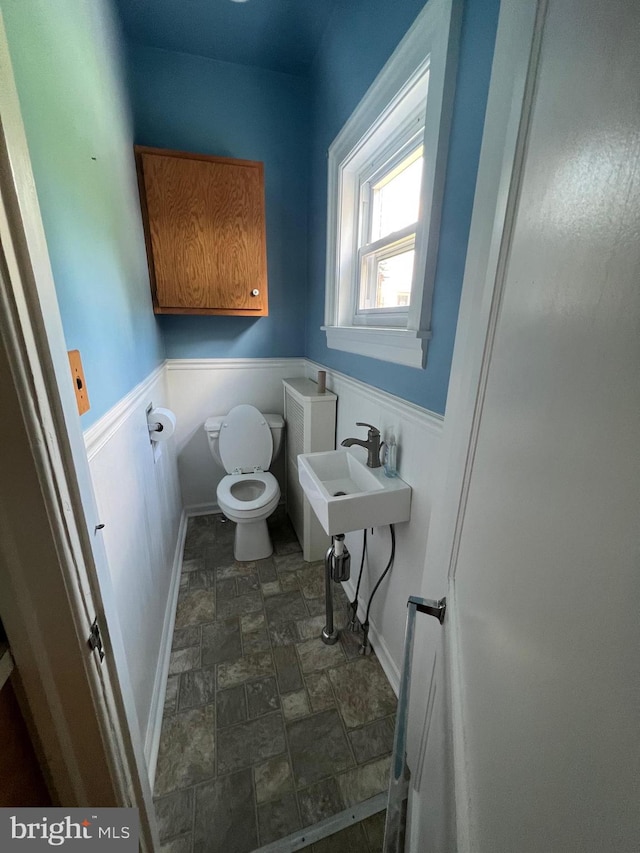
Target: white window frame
{"type": "Point", "coordinates": [406, 138]}
{"type": "Point", "coordinates": [393, 106]}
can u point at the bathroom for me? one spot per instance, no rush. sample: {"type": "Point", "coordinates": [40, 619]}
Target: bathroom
{"type": "Point", "coordinates": [115, 562]}
{"type": "Point", "coordinates": [94, 79]}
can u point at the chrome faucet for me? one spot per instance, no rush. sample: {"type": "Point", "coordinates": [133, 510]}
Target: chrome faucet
{"type": "Point", "coordinates": [372, 445]}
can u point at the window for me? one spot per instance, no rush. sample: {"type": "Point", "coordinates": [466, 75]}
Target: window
{"type": "Point", "coordinates": [385, 185]}
{"type": "Point", "coordinates": [389, 214]}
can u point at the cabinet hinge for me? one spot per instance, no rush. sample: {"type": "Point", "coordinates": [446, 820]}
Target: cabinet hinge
{"type": "Point", "coordinates": [95, 640]}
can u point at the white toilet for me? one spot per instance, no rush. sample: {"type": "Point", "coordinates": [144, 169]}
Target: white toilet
{"type": "Point", "coordinates": [244, 442]}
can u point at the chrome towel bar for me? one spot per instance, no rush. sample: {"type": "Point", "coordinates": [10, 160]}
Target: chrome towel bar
{"type": "Point", "coordinates": [399, 778]}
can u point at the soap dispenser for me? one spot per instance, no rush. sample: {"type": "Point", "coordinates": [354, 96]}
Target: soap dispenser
{"type": "Point", "coordinates": [390, 457]}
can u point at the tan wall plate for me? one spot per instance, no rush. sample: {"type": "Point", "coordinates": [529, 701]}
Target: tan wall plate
{"type": "Point", "coordinates": [79, 385]}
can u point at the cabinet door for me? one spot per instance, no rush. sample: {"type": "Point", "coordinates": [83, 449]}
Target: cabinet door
{"type": "Point", "coordinates": [206, 229]}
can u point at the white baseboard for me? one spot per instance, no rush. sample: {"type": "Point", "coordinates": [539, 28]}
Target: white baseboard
{"type": "Point", "coordinates": [152, 740]}
{"type": "Point", "coordinates": [375, 637]}
{"type": "Point", "coordinates": [202, 509]}
{"type": "Point", "coordinates": [384, 656]}
{"type": "Point", "coordinates": [211, 508]}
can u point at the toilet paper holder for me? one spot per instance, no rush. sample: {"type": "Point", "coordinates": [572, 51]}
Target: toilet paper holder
{"type": "Point", "coordinates": [161, 424]}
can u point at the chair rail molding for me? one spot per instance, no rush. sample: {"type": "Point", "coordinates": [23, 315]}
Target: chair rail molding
{"type": "Point", "coordinates": [233, 363]}
{"type": "Point", "coordinates": [99, 433]}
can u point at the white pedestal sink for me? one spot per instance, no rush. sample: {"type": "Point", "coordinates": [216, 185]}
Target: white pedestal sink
{"type": "Point", "coordinates": [347, 495]}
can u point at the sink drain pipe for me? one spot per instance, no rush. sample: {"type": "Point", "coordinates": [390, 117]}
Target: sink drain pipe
{"type": "Point", "coordinates": [337, 567]}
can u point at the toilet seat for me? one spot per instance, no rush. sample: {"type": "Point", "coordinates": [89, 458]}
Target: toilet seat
{"type": "Point", "coordinates": [256, 507]}
{"type": "Point", "coordinates": [245, 441]}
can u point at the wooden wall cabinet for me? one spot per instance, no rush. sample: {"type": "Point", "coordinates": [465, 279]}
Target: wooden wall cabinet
{"type": "Point", "coordinates": [205, 231]}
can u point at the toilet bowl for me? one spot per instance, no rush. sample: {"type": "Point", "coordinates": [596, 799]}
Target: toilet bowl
{"type": "Point", "coordinates": [244, 442]}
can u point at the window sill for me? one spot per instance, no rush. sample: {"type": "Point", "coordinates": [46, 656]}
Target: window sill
{"type": "Point", "coordinates": [400, 346]}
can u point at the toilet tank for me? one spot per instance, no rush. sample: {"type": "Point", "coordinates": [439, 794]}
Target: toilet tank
{"type": "Point", "coordinates": [212, 428]}
{"type": "Point", "coordinates": [276, 425]}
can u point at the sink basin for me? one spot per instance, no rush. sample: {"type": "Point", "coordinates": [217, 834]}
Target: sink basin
{"type": "Point", "coordinates": [346, 495]}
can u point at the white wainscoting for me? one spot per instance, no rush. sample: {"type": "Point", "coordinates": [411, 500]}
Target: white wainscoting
{"type": "Point", "coordinates": [199, 388]}
{"type": "Point", "coordinates": [145, 523]}
{"type": "Point", "coordinates": [139, 503]}
{"type": "Point", "coordinates": [419, 434]}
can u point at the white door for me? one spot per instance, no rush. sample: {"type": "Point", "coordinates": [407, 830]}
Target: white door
{"type": "Point", "coordinates": [54, 575]}
{"type": "Point", "coordinates": [541, 647]}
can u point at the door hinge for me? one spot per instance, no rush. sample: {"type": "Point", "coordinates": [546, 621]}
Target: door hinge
{"type": "Point", "coordinates": [95, 640]}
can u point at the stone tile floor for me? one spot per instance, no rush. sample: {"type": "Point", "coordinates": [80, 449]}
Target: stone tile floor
{"type": "Point", "coordinates": [266, 730]}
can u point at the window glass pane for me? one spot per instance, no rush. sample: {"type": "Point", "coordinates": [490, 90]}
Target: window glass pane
{"type": "Point", "coordinates": [389, 282]}
{"type": "Point", "coordinates": [396, 197]}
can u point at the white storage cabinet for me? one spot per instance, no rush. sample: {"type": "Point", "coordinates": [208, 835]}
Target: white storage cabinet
{"type": "Point", "coordinates": [311, 427]}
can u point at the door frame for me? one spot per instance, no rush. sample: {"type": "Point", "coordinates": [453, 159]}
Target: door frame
{"type": "Point", "coordinates": [500, 170]}
{"type": "Point", "coordinates": [54, 573]}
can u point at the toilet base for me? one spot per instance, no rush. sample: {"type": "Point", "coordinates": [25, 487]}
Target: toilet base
{"type": "Point", "coordinates": [252, 540]}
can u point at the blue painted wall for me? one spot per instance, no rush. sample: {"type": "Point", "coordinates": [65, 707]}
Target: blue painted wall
{"type": "Point", "coordinates": [342, 72]}
{"type": "Point", "coordinates": [67, 64]}
{"type": "Point", "coordinates": [191, 103]}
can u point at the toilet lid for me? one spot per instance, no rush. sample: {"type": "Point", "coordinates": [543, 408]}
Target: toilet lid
{"type": "Point", "coordinates": [245, 441]}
